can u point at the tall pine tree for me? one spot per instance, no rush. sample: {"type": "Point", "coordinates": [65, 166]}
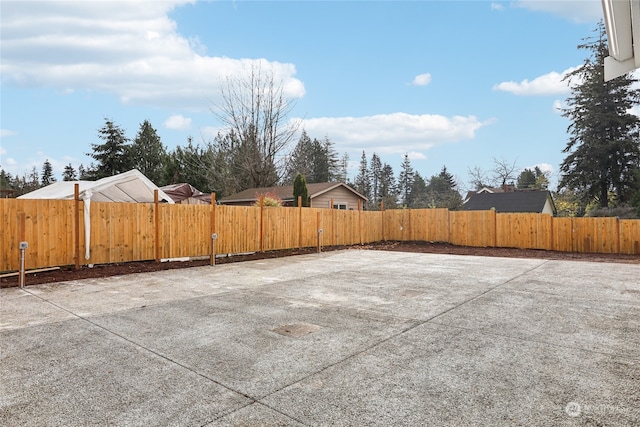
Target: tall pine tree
{"type": "Point", "coordinates": [405, 181]}
{"type": "Point", "coordinates": [603, 151]}
{"type": "Point", "coordinates": [362, 180]}
{"type": "Point", "coordinates": [376, 179]}
{"type": "Point", "coordinates": [148, 155]}
{"type": "Point", "coordinates": [69, 173]}
{"type": "Point", "coordinates": [47, 174]}
{"type": "Point", "coordinates": [388, 187]}
{"type": "Point", "coordinates": [113, 154]}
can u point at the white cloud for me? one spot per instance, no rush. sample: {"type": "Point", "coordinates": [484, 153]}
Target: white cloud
{"type": "Point", "coordinates": [548, 84]}
{"type": "Point", "coordinates": [395, 133]}
{"type": "Point", "coordinates": [575, 10]}
{"type": "Point", "coordinates": [6, 132]}
{"type": "Point", "coordinates": [497, 6]}
{"type": "Point", "coordinates": [413, 155]}
{"type": "Point", "coordinates": [178, 122]}
{"type": "Point", "coordinates": [422, 79]}
{"type": "Point", "coordinates": [9, 162]}
{"type": "Point", "coordinates": [127, 48]}
{"type": "Point", "coordinates": [558, 106]}
{"type": "Point", "coordinates": [546, 168]}
{"type": "Point", "coordinates": [635, 110]}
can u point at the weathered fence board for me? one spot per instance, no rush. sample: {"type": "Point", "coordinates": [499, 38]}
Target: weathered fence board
{"type": "Point", "coordinates": [629, 236]}
{"type": "Point", "coordinates": [524, 231]}
{"type": "Point", "coordinates": [472, 228]}
{"type": "Point", "coordinates": [122, 232]}
{"type": "Point", "coordinates": [595, 235]}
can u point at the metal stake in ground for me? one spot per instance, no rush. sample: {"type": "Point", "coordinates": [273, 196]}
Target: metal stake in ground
{"type": "Point", "coordinates": [214, 236]}
{"type": "Point", "coordinates": [23, 248]}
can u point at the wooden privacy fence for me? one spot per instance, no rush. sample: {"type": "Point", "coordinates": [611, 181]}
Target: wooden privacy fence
{"type": "Point", "coordinates": [123, 232]}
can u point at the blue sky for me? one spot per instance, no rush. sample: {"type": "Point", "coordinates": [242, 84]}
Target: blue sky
{"type": "Point", "coordinates": [455, 83]}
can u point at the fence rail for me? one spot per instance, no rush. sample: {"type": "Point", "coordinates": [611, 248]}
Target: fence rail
{"type": "Point", "coordinates": [123, 232]}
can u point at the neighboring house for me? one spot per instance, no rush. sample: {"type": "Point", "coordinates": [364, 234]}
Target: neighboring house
{"type": "Point", "coordinates": [535, 201]}
{"type": "Point", "coordinates": [320, 195]}
{"type": "Point", "coordinates": [506, 189]}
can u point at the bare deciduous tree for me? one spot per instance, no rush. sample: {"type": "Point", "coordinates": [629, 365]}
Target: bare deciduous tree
{"type": "Point", "coordinates": [504, 171]}
{"type": "Point", "coordinates": [478, 178]}
{"type": "Point", "coordinates": [255, 112]}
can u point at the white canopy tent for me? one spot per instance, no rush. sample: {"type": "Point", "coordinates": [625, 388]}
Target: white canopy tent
{"type": "Point", "coordinates": [131, 186]}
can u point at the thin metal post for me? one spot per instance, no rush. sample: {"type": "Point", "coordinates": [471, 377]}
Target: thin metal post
{"type": "Point", "coordinates": [23, 248]}
{"type": "Point", "coordinates": [214, 236]}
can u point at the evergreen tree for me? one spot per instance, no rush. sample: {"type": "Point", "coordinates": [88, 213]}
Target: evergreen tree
{"type": "Point", "coordinates": [87, 173]}
{"type": "Point", "coordinates": [69, 173]}
{"type": "Point", "coordinates": [112, 155]}
{"type": "Point", "coordinates": [31, 181]}
{"type": "Point", "coordinates": [6, 184]}
{"type": "Point", "coordinates": [526, 179]}
{"type": "Point", "coordinates": [324, 161]}
{"type": "Point", "coordinates": [300, 190]}
{"type": "Point", "coordinates": [603, 151]}
{"type": "Point", "coordinates": [442, 191]}
{"type": "Point", "coordinates": [542, 180]}
{"type": "Point", "coordinates": [47, 174]}
{"type": "Point", "coordinates": [148, 155]}
{"type": "Point", "coordinates": [376, 179]}
{"type": "Point", "coordinates": [405, 181]}
{"type": "Point", "coordinates": [300, 158]}
{"type": "Point", "coordinates": [388, 188]}
{"type": "Point", "coordinates": [418, 196]}
{"type": "Point", "coordinates": [342, 172]}
{"type": "Point", "coordinates": [195, 165]}
{"type": "Point", "coordinates": [362, 182]}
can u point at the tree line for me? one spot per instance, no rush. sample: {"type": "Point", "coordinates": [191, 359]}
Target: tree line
{"type": "Point", "coordinates": [600, 174]}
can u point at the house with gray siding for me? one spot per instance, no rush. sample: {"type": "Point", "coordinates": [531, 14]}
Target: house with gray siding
{"type": "Point", "coordinates": [321, 195]}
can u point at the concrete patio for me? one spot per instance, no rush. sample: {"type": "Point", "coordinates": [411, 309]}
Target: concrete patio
{"type": "Point", "coordinates": [353, 337]}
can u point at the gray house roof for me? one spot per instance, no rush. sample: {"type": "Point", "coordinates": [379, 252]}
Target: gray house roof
{"type": "Point", "coordinates": [516, 201]}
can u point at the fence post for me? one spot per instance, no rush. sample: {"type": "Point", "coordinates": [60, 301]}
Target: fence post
{"type": "Point", "coordinates": [360, 219]}
{"type": "Point", "coordinates": [319, 232]}
{"type": "Point", "coordinates": [299, 222]}
{"type": "Point", "coordinates": [213, 229]}
{"type": "Point", "coordinates": [551, 236]}
{"type": "Point", "coordinates": [333, 225]}
{"type": "Point", "coordinates": [76, 225]}
{"type": "Point", "coordinates": [382, 216]}
{"type": "Point", "coordinates": [261, 222]}
{"type": "Point", "coordinates": [617, 235]}
{"type": "Point", "coordinates": [495, 228]}
{"type": "Point", "coordinates": [156, 216]}
{"type": "Point", "coordinates": [571, 236]}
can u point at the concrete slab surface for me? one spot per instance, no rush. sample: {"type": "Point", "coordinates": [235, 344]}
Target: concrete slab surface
{"type": "Point", "coordinates": [348, 338]}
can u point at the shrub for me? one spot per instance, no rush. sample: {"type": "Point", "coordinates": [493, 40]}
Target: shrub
{"type": "Point", "coordinates": [270, 199]}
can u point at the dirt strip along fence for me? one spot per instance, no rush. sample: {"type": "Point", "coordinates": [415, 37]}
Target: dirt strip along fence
{"type": "Point", "coordinates": [124, 232]}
